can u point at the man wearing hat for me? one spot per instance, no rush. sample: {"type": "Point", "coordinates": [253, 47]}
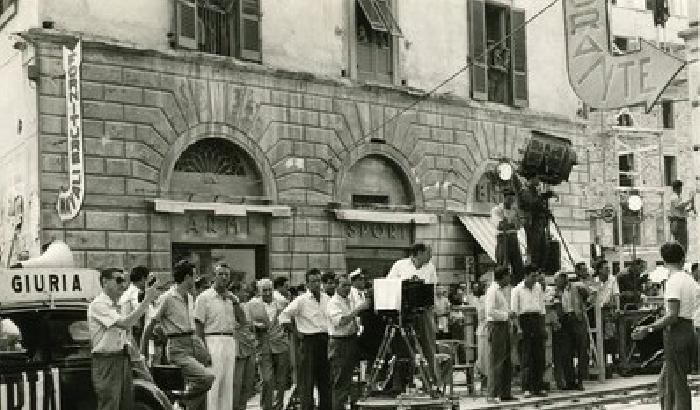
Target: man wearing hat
{"type": "Point", "coordinates": [505, 217]}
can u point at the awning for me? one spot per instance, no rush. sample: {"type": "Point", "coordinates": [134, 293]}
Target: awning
{"type": "Point", "coordinates": [484, 231]}
{"type": "Point", "coordinates": [219, 208]}
{"type": "Point", "coordinates": [385, 217]}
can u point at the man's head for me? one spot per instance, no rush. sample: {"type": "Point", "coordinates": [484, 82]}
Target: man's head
{"type": "Point", "coordinates": [113, 282]}
{"type": "Point", "coordinates": [531, 275]}
{"type": "Point", "coordinates": [602, 269]}
{"type": "Point", "coordinates": [561, 281]}
{"type": "Point", "coordinates": [343, 288]}
{"type": "Point", "coordinates": [534, 182]}
{"type": "Point", "coordinates": [501, 275]}
{"type": "Point", "coordinates": [478, 289]}
{"type": "Point", "coordinates": [673, 254]}
{"type": "Point", "coordinates": [313, 280]}
{"type": "Point", "coordinates": [637, 266]}
{"type": "Point", "coordinates": [329, 283]}
{"type": "Point", "coordinates": [581, 270]}
{"type": "Point", "coordinates": [421, 254]}
{"type": "Point", "coordinates": [138, 276]}
{"type": "Point", "coordinates": [183, 274]}
{"type": "Point", "coordinates": [677, 186]}
{"type": "Point", "coordinates": [265, 290]}
{"type": "Point", "coordinates": [281, 284]}
{"type": "Point", "coordinates": [222, 276]}
{"type": "Point", "coordinates": [357, 279]}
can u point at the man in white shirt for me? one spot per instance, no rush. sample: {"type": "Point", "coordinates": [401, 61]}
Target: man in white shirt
{"type": "Point", "coordinates": [507, 220]}
{"type": "Point", "coordinates": [527, 304]}
{"type": "Point", "coordinates": [281, 289]}
{"type": "Point", "coordinates": [128, 302]}
{"type": "Point", "coordinates": [309, 311]}
{"type": "Point", "coordinates": [419, 267]}
{"type": "Point", "coordinates": [678, 214]}
{"type": "Point", "coordinates": [677, 322]}
{"type": "Point", "coordinates": [497, 315]}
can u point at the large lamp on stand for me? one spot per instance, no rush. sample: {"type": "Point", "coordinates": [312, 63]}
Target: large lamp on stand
{"type": "Point", "coordinates": [634, 204]}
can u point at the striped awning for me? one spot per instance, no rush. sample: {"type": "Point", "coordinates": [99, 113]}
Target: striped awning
{"type": "Point", "coordinates": [484, 232]}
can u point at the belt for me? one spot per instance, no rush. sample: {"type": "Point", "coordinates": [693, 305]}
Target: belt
{"type": "Point", "coordinates": [344, 337]}
{"type": "Point", "coordinates": [531, 314]}
{"type": "Point", "coordinates": [685, 320]}
{"type": "Point", "coordinates": [118, 353]}
{"type": "Point", "coordinates": [219, 334]}
{"type": "Point", "coordinates": [176, 335]}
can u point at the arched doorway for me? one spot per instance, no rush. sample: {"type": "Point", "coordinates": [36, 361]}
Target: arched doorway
{"type": "Point", "coordinates": [217, 171]}
{"type": "Point", "coordinates": [375, 183]}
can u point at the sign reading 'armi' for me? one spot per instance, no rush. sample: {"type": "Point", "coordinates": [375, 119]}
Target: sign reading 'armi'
{"type": "Point", "coordinates": [71, 200]}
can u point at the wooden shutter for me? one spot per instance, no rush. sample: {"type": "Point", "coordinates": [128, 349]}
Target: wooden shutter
{"type": "Point", "coordinates": [186, 21]}
{"type": "Point", "coordinates": [518, 49]}
{"type": "Point", "coordinates": [385, 10]}
{"type": "Point", "coordinates": [250, 27]}
{"type": "Point", "coordinates": [373, 15]}
{"type": "Point", "coordinates": [477, 52]}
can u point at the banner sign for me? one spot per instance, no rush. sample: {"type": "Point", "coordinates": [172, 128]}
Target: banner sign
{"type": "Point", "coordinates": [71, 200]}
{"type": "Point", "coordinates": [605, 81]}
{"type": "Point", "coordinates": [42, 284]}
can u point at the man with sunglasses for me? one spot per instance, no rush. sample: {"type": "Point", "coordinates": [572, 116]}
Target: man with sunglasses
{"type": "Point", "coordinates": [110, 341]}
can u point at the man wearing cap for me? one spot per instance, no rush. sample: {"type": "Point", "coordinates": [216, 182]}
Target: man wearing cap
{"type": "Point", "coordinates": [217, 312]}
{"type": "Point", "coordinates": [505, 217]}
{"type": "Point", "coordinates": [111, 342]}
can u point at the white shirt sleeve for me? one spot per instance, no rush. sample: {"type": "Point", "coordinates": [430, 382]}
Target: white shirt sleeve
{"type": "Point", "coordinates": [515, 300]}
{"type": "Point", "coordinates": [291, 310]}
{"type": "Point", "coordinates": [334, 312]}
{"type": "Point", "coordinates": [430, 273]}
{"type": "Point", "coordinates": [673, 289]}
{"type": "Point", "coordinates": [395, 271]}
{"type": "Point", "coordinates": [200, 309]}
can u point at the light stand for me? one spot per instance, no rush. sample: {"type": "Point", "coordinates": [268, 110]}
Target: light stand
{"type": "Point", "coordinates": [634, 203]}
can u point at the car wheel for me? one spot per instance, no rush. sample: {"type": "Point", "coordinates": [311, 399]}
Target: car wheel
{"type": "Point", "coordinates": [143, 406]}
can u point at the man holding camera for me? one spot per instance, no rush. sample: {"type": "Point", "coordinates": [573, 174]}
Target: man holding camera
{"type": "Point", "coordinates": [419, 267]}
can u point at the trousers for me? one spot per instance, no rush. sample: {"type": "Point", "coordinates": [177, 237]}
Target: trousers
{"type": "Point", "coordinates": [244, 382]}
{"type": "Point", "coordinates": [314, 370]}
{"type": "Point", "coordinates": [532, 356]}
{"type": "Point", "coordinates": [343, 354]}
{"type": "Point", "coordinates": [273, 372]}
{"type": "Point", "coordinates": [679, 230]}
{"type": "Point", "coordinates": [199, 379]}
{"type": "Point", "coordinates": [679, 343]}
{"type": "Point", "coordinates": [499, 359]}
{"type": "Point", "coordinates": [223, 364]}
{"type": "Point", "coordinates": [508, 253]}
{"type": "Point", "coordinates": [575, 344]}
{"type": "Point", "coordinates": [111, 377]}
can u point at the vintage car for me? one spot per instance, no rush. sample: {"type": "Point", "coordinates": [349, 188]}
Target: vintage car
{"type": "Point", "coordinates": [45, 344]}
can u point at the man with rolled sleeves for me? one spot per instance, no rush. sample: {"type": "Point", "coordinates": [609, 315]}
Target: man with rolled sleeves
{"type": "Point", "coordinates": [173, 314]}
{"type": "Point", "coordinates": [111, 341]}
{"type": "Point", "coordinates": [309, 313]}
{"type": "Point", "coordinates": [342, 347]}
{"type": "Point", "coordinates": [216, 312]}
{"type": "Point", "coordinates": [273, 345]}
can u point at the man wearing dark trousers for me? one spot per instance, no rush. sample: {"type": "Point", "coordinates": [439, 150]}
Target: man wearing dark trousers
{"type": "Point", "coordinates": [575, 341]}
{"type": "Point", "coordinates": [342, 348]}
{"type": "Point", "coordinates": [505, 217]}
{"type": "Point", "coordinates": [527, 303]}
{"type": "Point", "coordinates": [677, 323]}
{"type": "Point", "coordinates": [498, 327]}
{"type": "Point", "coordinates": [309, 312]}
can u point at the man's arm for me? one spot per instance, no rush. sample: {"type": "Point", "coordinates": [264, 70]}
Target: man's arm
{"type": "Point", "coordinates": [199, 329]}
{"type": "Point", "coordinates": [290, 311]}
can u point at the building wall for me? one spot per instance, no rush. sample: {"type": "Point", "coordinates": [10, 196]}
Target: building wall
{"type": "Point", "coordinates": [18, 130]}
{"type": "Point", "coordinates": [141, 109]}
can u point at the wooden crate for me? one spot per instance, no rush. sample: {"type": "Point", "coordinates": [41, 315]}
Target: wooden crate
{"type": "Point", "coordinates": [407, 403]}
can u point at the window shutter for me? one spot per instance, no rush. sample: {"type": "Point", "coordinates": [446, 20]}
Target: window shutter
{"type": "Point", "coordinates": [186, 24]}
{"type": "Point", "coordinates": [477, 52]}
{"type": "Point", "coordinates": [518, 47]}
{"type": "Point", "coordinates": [250, 30]}
{"type": "Point", "coordinates": [373, 15]}
{"type": "Point", "coordinates": [385, 10]}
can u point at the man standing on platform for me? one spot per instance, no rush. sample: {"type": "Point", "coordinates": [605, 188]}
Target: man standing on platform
{"type": "Point", "coordinates": [678, 214]}
{"type": "Point", "coordinates": [536, 211]}
{"type": "Point", "coordinates": [273, 345]}
{"type": "Point", "coordinates": [574, 341]}
{"type": "Point", "coordinates": [677, 323]}
{"type": "Point", "coordinates": [527, 303]}
{"type": "Point", "coordinates": [498, 328]}
{"type": "Point", "coordinates": [309, 312]}
{"type": "Point", "coordinates": [505, 217]}
{"type": "Point", "coordinates": [342, 347]}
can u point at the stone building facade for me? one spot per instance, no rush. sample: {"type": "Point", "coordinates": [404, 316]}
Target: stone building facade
{"type": "Point", "coordinates": [309, 161]}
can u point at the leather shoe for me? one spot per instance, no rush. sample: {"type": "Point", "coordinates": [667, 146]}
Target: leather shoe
{"type": "Point", "coordinates": [509, 398]}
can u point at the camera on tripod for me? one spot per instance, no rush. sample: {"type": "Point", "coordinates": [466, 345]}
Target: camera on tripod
{"type": "Point", "coordinates": [405, 297]}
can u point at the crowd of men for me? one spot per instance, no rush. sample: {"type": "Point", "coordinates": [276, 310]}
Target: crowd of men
{"type": "Point", "coordinates": [225, 337]}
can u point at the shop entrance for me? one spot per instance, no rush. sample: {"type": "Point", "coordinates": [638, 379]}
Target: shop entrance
{"type": "Point", "coordinates": [250, 261]}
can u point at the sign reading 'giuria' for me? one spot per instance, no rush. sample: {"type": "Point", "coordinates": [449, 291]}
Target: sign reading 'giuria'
{"type": "Point", "coordinates": [71, 200]}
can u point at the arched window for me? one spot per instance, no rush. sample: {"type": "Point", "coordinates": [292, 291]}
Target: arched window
{"type": "Point", "coordinates": [374, 181]}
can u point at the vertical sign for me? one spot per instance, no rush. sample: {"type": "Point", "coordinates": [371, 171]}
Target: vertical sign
{"type": "Point", "coordinates": [70, 200]}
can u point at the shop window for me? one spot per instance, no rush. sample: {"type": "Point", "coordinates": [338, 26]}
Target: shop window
{"type": "Point", "coordinates": [670, 173]}
{"type": "Point", "coordinates": [224, 27]}
{"type": "Point", "coordinates": [8, 9]}
{"type": "Point", "coordinates": [667, 114]}
{"type": "Point", "coordinates": [626, 168]}
{"type": "Point", "coordinates": [369, 201]}
{"type": "Point", "coordinates": [499, 69]}
{"type": "Point", "coordinates": [375, 31]}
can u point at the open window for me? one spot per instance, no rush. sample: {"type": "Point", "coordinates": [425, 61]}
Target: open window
{"type": "Point", "coordinates": [223, 27]}
{"type": "Point", "coordinates": [499, 62]}
{"type": "Point", "coordinates": [375, 30]}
